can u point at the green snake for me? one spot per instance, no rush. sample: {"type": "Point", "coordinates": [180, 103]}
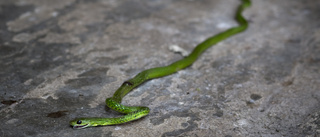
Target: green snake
{"type": "Point", "coordinates": [137, 112]}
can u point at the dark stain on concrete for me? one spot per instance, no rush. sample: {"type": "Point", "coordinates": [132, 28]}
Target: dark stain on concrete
{"type": "Point", "coordinates": [8, 102]}
{"type": "Point", "coordinates": [255, 96]}
{"type": "Point", "coordinates": [57, 114]}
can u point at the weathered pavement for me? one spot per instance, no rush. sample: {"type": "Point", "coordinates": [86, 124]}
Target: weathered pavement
{"type": "Point", "coordinates": [61, 60]}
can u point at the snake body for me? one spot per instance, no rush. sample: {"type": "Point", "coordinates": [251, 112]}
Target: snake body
{"type": "Point", "coordinates": [137, 112]}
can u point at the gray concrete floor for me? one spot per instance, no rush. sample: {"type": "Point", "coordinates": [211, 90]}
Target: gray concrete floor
{"type": "Point", "coordinates": [61, 60]}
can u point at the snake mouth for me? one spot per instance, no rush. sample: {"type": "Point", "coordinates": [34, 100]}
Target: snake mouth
{"type": "Point", "coordinates": [80, 126]}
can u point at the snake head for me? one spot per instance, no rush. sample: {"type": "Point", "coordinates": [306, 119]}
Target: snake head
{"type": "Point", "coordinates": [80, 123]}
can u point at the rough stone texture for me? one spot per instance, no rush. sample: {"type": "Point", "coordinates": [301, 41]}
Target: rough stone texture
{"type": "Point", "coordinates": [61, 60]}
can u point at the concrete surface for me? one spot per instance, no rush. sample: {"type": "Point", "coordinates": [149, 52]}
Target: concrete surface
{"type": "Point", "coordinates": [61, 60]}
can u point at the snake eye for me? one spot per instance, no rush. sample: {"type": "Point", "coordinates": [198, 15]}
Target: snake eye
{"type": "Point", "coordinates": [79, 122]}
